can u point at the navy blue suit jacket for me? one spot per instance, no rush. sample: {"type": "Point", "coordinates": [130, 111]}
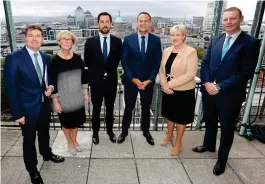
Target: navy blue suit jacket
{"type": "Point", "coordinates": [237, 67]}
{"type": "Point", "coordinates": [22, 84]}
{"type": "Point", "coordinates": [132, 63]}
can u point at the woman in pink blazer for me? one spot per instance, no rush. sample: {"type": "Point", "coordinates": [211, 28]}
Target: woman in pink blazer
{"type": "Point", "coordinates": [177, 77]}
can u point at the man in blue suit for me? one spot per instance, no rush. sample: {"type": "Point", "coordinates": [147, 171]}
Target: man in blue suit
{"type": "Point", "coordinates": [141, 57]}
{"type": "Point", "coordinates": [28, 87]}
{"type": "Point", "coordinates": [229, 63]}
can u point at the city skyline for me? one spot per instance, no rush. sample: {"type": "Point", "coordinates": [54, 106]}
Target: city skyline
{"type": "Point", "coordinates": [183, 9]}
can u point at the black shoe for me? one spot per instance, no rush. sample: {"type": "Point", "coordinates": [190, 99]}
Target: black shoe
{"type": "Point", "coordinates": [219, 168]}
{"type": "Point", "coordinates": [55, 158]}
{"type": "Point", "coordinates": [201, 149]}
{"type": "Point", "coordinates": [149, 138]}
{"type": "Point", "coordinates": [112, 137]}
{"type": "Point", "coordinates": [121, 137]}
{"type": "Point", "coordinates": [95, 138]}
{"type": "Point", "coordinates": [36, 178]}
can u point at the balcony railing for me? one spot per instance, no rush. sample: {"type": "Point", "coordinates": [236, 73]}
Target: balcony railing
{"type": "Point", "coordinates": [157, 121]}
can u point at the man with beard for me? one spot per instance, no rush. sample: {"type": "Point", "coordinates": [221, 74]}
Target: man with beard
{"type": "Point", "coordinates": [102, 57]}
{"type": "Point", "coordinates": [141, 57]}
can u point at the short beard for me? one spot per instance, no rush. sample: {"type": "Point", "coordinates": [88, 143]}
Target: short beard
{"type": "Point", "coordinates": [104, 32]}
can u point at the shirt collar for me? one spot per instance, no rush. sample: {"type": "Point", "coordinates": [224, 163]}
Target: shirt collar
{"type": "Point", "coordinates": [140, 36]}
{"type": "Point", "coordinates": [31, 52]}
{"type": "Point", "coordinates": [235, 35]}
{"type": "Point", "coordinates": [102, 36]}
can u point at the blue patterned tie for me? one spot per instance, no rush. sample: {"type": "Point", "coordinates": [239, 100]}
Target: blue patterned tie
{"type": "Point", "coordinates": [143, 47]}
{"type": "Point", "coordinates": [226, 46]}
{"type": "Point", "coordinates": [105, 49]}
{"type": "Point", "coordinates": [37, 67]}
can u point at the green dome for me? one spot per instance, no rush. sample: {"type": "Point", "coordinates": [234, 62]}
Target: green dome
{"type": "Point", "coordinates": [119, 20]}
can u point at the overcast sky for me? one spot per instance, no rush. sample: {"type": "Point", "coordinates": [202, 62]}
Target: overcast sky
{"type": "Point", "coordinates": [167, 8]}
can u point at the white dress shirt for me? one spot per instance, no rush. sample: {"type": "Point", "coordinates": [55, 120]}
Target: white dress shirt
{"type": "Point", "coordinates": [234, 37]}
{"type": "Point", "coordinates": [101, 36]}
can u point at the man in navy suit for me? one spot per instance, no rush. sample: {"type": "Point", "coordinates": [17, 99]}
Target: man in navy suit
{"type": "Point", "coordinates": [229, 63]}
{"type": "Point", "coordinates": [141, 57]}
{"type": "Point", "coordinates": [28, 87]}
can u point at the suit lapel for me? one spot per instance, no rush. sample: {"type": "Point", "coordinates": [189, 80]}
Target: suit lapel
{"type": "Point", "coordinates": [98, 47]}
{"type": "Point", "coordinates": [136, 44]}
{"type": "Point", "coordinates": [111, 46]}
{"type": "Point", "coordinates": [149, 44]}
{"type": "Point", "coordinates": [220, 46]}
{"type": "Point", "coordinates": [44, 61]}
{"type": "Point", "coordinates": [26, 59]}
{"type": "Point", "coordinates": [236, 45]}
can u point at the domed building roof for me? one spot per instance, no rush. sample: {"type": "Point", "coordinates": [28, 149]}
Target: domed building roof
{"type": "Point", "coordinates": [119, 19]}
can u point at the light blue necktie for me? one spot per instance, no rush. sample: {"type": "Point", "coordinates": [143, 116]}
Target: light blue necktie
{"type": "Point", "coordinates": [37, 67]}
{"type": "Point", "coordinates": [226, 46]}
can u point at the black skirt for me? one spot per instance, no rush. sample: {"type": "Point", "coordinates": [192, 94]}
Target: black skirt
{"type": "Point", "coordinates": [179, 107]}
{"type": "Point", "coordinates": [73, 119]}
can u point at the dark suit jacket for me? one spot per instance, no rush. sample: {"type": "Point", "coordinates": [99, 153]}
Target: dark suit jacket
{"type": "Point", "coordinates": [237, 67]}
{"type": "Point", "coordinates": [132, 62]}
{"type": "Point", "coordinates": [22, 84]}
{"type": "Point", "coordinates": [94, 60]}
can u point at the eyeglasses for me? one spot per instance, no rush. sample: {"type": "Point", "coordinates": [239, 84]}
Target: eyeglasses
{"type": "Point", "coordinates": [66, 39]}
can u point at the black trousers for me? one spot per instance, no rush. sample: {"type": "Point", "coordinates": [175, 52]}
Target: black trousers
{"type": "Point", "coordinates": [41, 125]}
{"type": "Point", "coordinates": [226, 107]}
{"type": "Point", "coordinates": [108, 92]}
{"type": "Point", "coordinates": [130, 95]}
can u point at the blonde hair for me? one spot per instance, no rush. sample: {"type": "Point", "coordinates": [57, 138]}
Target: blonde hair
{"type": "Point", "coordinates": [63, 33]}
{"type": "Point", "coordinates": [179, 27]}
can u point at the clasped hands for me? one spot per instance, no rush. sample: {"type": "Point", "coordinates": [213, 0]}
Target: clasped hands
{"type": "Point", "coordinates": [140, 85]}
{"type": "Point", "coordinates": [211, 88]}
{"type": "Point", "coordinates": [166, 88]}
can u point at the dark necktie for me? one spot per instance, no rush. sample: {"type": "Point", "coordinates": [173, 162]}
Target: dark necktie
{"type": "Point", "coordinates": [105, 49]}
{"type": "Point", "coordinates": [143, 47]}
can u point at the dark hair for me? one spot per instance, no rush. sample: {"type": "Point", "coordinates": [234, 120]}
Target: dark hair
{"type": "Point", "coordinates": [33, 27]}
{"type": "Point", "coordinates": [145, 14]}
{"type": "Point", "coordinates": [104, 14]}
{"type": "Point", "coordinates": [234, 9]}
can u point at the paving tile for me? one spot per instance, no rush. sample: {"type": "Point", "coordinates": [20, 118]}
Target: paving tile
{"type": "Point", "coordinates": [8, 138]}
{"type": "Point", "coordinates": [243, 149]}
{"type": "Point", "coordinates": [13, 170]}
{"type": "Point", "coordinates": [107, 149]}
{"type": "Point", "coordinates": [200, 171]}
{"type": "Point", "coordinates": [71, 171]}
{"type": "Point", "coordinates": [112, 171]}
{"type": "Point", "coordinates": [251, 171]}
{"type": "Point", "coordinates": [17, 150]}
{"type": "Point", "coordinates": [161, 171]}
{"type": "Point", "coordinates": [259, 146]}
{"type": "Point", "coordinates": [190, 140]}
{"type": "Point", "coordinates": [144, 150]}
{"type": "Point", "coordinates": [83, 137]}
